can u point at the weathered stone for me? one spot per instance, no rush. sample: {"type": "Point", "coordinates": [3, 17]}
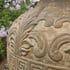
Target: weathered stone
{"type": "Point", "coordinates": [40, 38]}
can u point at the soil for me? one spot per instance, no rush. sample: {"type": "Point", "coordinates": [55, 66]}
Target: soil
{"type": "Point", "coordinates": [2, 64]}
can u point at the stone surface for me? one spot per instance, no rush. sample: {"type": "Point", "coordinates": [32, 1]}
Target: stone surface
{"type": "Point", "coordinates": [40, 38]}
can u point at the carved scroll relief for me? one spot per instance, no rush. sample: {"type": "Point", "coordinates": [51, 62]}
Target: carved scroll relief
{"type": "Point", "coordinates": [38, 42]}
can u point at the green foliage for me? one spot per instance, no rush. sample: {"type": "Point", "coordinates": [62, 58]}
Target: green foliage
{"type": "Point", "coordinates": [28, 2]}
{"type": "Point", "coordinates": [2, 48]}
{"type": "Point", "coordinates": [5, 17]}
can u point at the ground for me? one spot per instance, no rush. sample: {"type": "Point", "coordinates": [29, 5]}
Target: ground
{"type": "Point", "coordinates": [2, 64]}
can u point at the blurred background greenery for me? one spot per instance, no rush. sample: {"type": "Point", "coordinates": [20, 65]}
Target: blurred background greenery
{"type": "Point", "coordinates": [6, 19]}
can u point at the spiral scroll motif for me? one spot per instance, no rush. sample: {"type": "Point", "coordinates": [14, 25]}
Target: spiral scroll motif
{"type": "Point", "coordinates": [57, 43]}
{"type": "Point", "coordinates": [38, 42]}
{"type": "Point", "coordinates": [40, 49]}
{"type": "Point", "coordinates": [59, 23]}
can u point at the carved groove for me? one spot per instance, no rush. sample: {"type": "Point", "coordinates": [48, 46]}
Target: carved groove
{"type": "Point", "coordinates": [49, 22]}
{"type": "Point", "coordinates": [12, 37]}
{"type": "Point", "coordinates": [57, 43]}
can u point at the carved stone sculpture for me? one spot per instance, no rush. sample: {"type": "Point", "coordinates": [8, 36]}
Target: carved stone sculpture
{"type": "Point", "coordinates": [40, 38]}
